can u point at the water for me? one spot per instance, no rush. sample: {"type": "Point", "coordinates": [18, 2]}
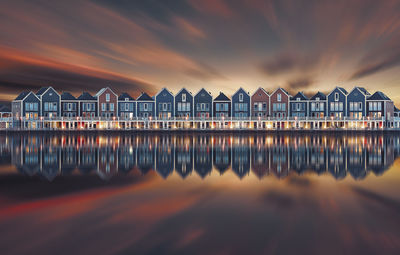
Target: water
{"type": "Point", "coordinates": [195, 193]}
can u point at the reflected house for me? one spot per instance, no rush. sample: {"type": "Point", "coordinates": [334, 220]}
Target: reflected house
{"type": "Point", "coordinates": [69, 105]}
{"type": "Point", "coordinates": [279, 101]}
{"type": "Point", "coordinates": [337, 102]}
{"type": "Point", "coordinates": [145, 153]}
{"type": "Point", "coordinates": [87, 105]}
{"type": "Point", "coordinates": [50, 102]}
{"type": "Point", "coordinates": [356, 103]}
{"type": "Point", "coordinates": [260, 103]}
{"type": "Point", "coordinates": [183, 104]}
{"type": "Point", "coordinates": [107, 164]}
{"type": "Point", "coordinates": [145, 106]}
{"type": "Point", "coordinates": [377, 157]}
{"type": "Point", "coordinates": [356, 164]}
{"type": "Point", "coordinates": [165, 104]}
{"type": "Point", "coordinates": [337, 158]}
{"type": "Point", "coordinates": [260, 157]}
{"type": "Point", "coordinates": [241, 104]}
{"type": "Point", "coordinates": [107, 103]}
{"type": "Point", "coordinates": [222, 106]}
{"type": "Point", "coordinates": [29, 158]}
{"type": "Point", "coordinates": [222, 153]}
{"type": "Point", "coordinates": [88, 157]}
{"type": "Point", "coordinates": [241, 156]}
{"type": "Point", "coordinates": [318, 105]}
{"type": "Point", "coordinates": [165, 156]}
{"type": "Point", "coordinates": [203, 155]}
{"type": "Point", "coordinates": [126, 155]}
{"type": "Point", "coordinates": [318, 156]}
{"type": "Point", "coordinates": [184, 156]}
{"type": "Point", "coordinates": [50, 165]}
{"type": "Point", "coordinates": [298, 154]}
{"type": "Point", "coordinates": [279, 157]}
{"type": "Point", "coordinates": [203, 104]}
{"type": "Point", "coordinates": [126, 106]}
{"type": "Point", "coordinates": [299, 105]}
{"type": "Point", "coordinates": [380, 106]}
{"type": "Point", "coordinates": [69, 154]}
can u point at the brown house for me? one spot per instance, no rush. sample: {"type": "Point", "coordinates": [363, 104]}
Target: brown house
{"type": "Point", "coordinates": [107, 103]}
{"type": "Point", "coordinates": [260, 103]}
{"type": "Point", "coordinates": [280, 103]}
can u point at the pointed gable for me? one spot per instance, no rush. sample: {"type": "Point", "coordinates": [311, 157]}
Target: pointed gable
{"type": "Point", "coordinates": [318, 96]}
{"type": "Point", "coordinates": [164, 90]}
{"type": "Point", "coordinates": [380, 96]}
{"type": "Point", "coordinates": [67, 96]}
{"type": "Point", "coordinates": [222, 98]}
{"type": "Point", "coordinates": [241, 90]}
{"type": "Point", "coordinates": [203, 92]}
{"type": "Point", "coordinates": [144, 97]}
{"type": "Point", "coordinates": [101, 91]}
{"type": "Point", "coordinates": [282, 90]}
{"type": "Point", "coordinates": [22, 95]}
{"type": "Point", "coordinates": [125, 97]}
{"type": "Point", "coordinates": [85, 96]}
{"type": "Point", "coordinates": [299, 96]}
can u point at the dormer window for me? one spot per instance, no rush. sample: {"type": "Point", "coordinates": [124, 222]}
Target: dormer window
{"type": "Point", "coordinates": [108, 97]}
{"type": "Point", "coordinates": [240, 97]}
{"type": "Point", "coordinates": [126, 99]}
{"type": "Point", "coordinates": [183, 97]}
{"type": "Point", "coordinates": [317, 99]}
{"type": "Point", "coordinates": [298, 99]}
{"type": "Point", "coordinates": [279, 97]}
{"type": "Point", "coordinates": [336, 96]}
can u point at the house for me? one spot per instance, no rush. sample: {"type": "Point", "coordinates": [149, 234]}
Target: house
{"type": "Point", "coordinates": [126, 106]}
{"type": "Point", "coordinates": [165, 104]}
{"type": "Point", "coordinates": [145, 106]}
{"type": "Point", "coordinates": [317, 107]}
{"type": "Point", "coordinates": [203, 104]}
{"type": "Point", "coordinates": [5, 112]}
{"type": "Point", "coordinates": [356, 103]}
{"type": "Point", "coordinates": [380, 106]}
{"type": "Point", "coordinates": [69, 105]}
{"type": "Point", "coordinates": [183, 104]}
{"type": "Point", "coordinates": [241, 104]}
{"type": "Point", "coordinates": [50, 102]}
{"type": "Point", "coordinates": [337, 102]}
{"type": "Point", "coordinates": [222, 106]}
{"type": "Point", "coordinates": [299, 105]}
{"type": "Point", "coordinates": [87, 105]}
{"type": "Point", "coordinates": [279, 101]}
{"type": "Point", "coordinates": [27, 105]}
{"type": "Point", "coordinates": [260, 103]}
{"type": "Point", "coordinates": [107, 103]}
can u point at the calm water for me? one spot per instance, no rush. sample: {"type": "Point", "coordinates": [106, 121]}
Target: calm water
{"type": "Point", "coordinates": [194, 193]}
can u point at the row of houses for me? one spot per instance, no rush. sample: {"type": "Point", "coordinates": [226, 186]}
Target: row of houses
{"type": "Point", "coordinates": [339, 103]}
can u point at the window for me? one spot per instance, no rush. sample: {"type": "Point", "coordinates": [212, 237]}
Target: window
{"type": "Point", "coordinates": [103, 106]}
{"type": "Point", "coordinates": [183, 97]}
{"type": "Point", "coordinates": [112, 107]}
{"type": "Point", "coordinates": [360, 107]}
{"type": "Point", "coordinates": [217, 107]}
{"type": "Point", "coordinates": [145, 106]}
{"type": "Point", "coordinates": [351, 106]}
{"type": "Point", "coordinates": [240, 97]}
{"type": "Point", "coordinates": [279, 97]}
{"type": "Point", "coordinates": [332, 106]}
{"type": "Point", "coordinates": [313, 106]}
{"type": "Point", "coordinates": [336, 96]}
{"type": "Point", "coordinates": [321, 106]}
{"type": "Point", "coordinates": [179, 106]}
{"type": "Point", "coordinates": [379, 106]}
{"type": "Point", "coordinates": [107, 97]}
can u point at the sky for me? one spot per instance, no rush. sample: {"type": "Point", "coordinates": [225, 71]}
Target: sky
{"type": "Point", "coordinates": [221, 45]}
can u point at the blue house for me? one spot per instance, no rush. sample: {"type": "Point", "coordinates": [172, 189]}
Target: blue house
{"type": "Point", "coordinates": [337, 102]}
{"type": "Point", "coordinates": [87, 105]}
{"type": "Point", "coordinates": [299, 105]}
{"type": "Point", "coordinates": [50, 102]}
{"type": "Point", "coordinates": [69, 105]}
{"type": "Point", "coordinates": [222, 106]}
{"type": "Point", "coordinates": [165, 104]}
{"type": "Point", "coordinates": [203, 104]}
{"type": "Point", "coordinates": [145, 106]}
{"type": "Point", "coordinates": [27, 105]}
{"type": "Point", "coordinates": [380, 106]}
{"type": "Point", "coordinates": [317, 105]}
{"type": "Point", "coordinates": [126, 106]}
{"type": "Point", "coordinates": [356, 103]}
{"type": "Point", "coordinates": [241, 104]}
{"type": "Point", "coordinates": [183, 104]}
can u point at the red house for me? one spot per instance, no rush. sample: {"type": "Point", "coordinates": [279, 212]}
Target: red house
{"type": "Point", "coordinates": [260, 103]}
{"type": "Point", "coordinates": [280, 103]}
{"type": "Point", "coordinates": [107, 103]}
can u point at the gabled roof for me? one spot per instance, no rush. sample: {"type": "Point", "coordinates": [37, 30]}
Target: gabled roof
{"type": "Point", "coordinates": [340, 89]}
{"type": "Point", "coordinates": [299, 95]}
{"type": "Point", "coordinates": [144, 97]}
{"type": "Point", "coordinates": [22, 95]}
{"type": "Point", "coordinates": [237, 91]}
{"type": "Point", "coordinates": [284, 91]}
{"type": "Point", "coordinates": [67, 96]}
{"type": "Point", "coordinates": [362, 90]}
{"type": "Point", "coordinates": [164, 89]}
{"type": "Point", "coordinates": [184, 89]}
{"type": "Point", "coordinates": [4, 108]}
{"type": "Point", "coordinates": [205, 91]}
{"type": "Point", "coordinates": [378, 96]}
{"type": "Point", "coordinates": [319, 95]}
{"type": "Point", "coordinates": [222, 97]}
{"type": "Point", "coordinates": [101, 91]}
{"type": "Point", "coordinates": [125, 96]}
{"type": "Point", "coordinates": [396, 109]}
{"type": "Point", "coordinates": [42, 90]}
{"type": "Point", "coordinates": [86, 96]}
{"type": "Point", "coordinates": [262, 90]}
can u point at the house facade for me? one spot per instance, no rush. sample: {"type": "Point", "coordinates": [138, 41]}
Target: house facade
{"type": "Point", "coordinates": [165, 104]}
{"type": "Point", "coordinates": [145, 105]}
{"type": "Point", "coordinates": [317, 107]}
{"type": "Point", "coordinates": [241, 104]}
{"type": "Point", "coordinates": [183, 104]}
{"type": "Point", "coordinates": [26, 105]}
{"type": "Point", "coordinates": [222, 106]}
{"type": "Point", "coordinates": [69, 105]}
{"type": "Point", "coordinates": [280, 103]}
{"type": "Point", "coordinates": [50, 102]}
{"type": "Point", "coordinates": [107, 103]}
{"type": "Point", "coordinates": [126, 106]}
{"type": "Point", "coordinates": [203, 104]}
{"type": "Point", "coordinates": [298, 105]}
{"type": "Point", "coordinates": [87, 105]}
{"type": "Point", "coordinates": [380, 106]}
{"type": "Point", "coordinates": [356, 103]}
{"type": "Point", "coordinates": [337, 103]}
{"type": "Point", "coordinates": [260, 103]}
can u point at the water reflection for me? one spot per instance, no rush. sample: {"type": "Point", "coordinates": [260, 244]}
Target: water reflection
{"type": "Point", "coordinates": [339, 155]}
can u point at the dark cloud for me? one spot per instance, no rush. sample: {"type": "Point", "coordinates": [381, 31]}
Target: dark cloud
{"type": "Point", "coordinates": [287, 62]}
{"type": "Point", "coordinates": [373, 68]}
{"type": "Point", "coordinates": [204, 73]}
{"type": "Point", "coordinates": [299, 83]}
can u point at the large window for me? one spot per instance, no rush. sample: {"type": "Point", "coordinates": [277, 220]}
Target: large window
{"type": "Point", "coordinates": [107, 97]}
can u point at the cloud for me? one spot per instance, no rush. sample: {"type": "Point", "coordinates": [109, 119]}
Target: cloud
{"type": "Point", "coordinates": [373, 68]}
{"type": "Point", "coordinates": [287, 62]}
{"type": "Point", "coordinates": [299, 83]}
